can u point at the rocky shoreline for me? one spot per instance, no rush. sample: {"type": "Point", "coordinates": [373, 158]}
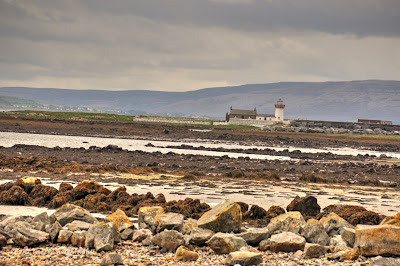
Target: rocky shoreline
{"type": "Point", "coordinates": [187, 232]}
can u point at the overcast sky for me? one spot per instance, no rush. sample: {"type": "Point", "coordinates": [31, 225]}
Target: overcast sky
{"type": "Point", "coordinates": [180, 45]}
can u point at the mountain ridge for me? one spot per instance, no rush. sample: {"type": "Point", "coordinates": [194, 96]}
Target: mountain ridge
{"type": "Point", "coordinates": [332, 100]}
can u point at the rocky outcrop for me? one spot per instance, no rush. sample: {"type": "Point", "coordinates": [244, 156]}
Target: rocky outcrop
{"type": "Point", "coordinates": [374, 240]}
{"type": "Point", "coordinates": [288, 222]}
{"type": "Point", "coordinates": [223, 243]}
{"type": "Point", "coordinates": [225, 217]}
{"type": "Point", "coordinates": [307, 206]}
{"type": "Point", "coordinates": [243, 258]}
{"type": "Point", "coordinates": [287, 242]}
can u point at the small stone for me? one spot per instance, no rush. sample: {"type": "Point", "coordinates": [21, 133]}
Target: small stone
{"type": "Point", "coordinates": [287, 242]}
{"type": "Point", "coordinates": [337, 241]}
{"type": "Point", "coordinates": [348, 235]}
{"type": "Point", "coordinates": [64, 236]}
{"type": "Point", "coordinates": [243, 258]}
{"type": "Point", "coordinates": [184, 254]}
{"type": "Point", "coordinates": [140, 235]}
{"type": "Point", "coordinates": [352, 254]}
{"type": "Point", "coordinates": [314, 251]}
{"type": "Point", "coordinates": [265, 245]}
{"type": "Point", "coordinates": [78, 238]}
{"type": "Point", "coordinates": [112, 259]}
{"type": "Point", "coordinates": [223, 243]}
{"type": "Point", "coordinates": [168, 239]}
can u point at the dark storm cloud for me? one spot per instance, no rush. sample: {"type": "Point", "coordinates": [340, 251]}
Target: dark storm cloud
{"type": "Point", "coordinates": [359, 17]}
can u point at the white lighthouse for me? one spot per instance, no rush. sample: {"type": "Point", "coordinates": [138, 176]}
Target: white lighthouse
{"type": "Point", "coordinates": [279, 106]}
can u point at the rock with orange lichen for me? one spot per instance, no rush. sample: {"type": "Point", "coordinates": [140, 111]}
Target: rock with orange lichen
{"type": "Point", "coordinates": [120, 220]}
{"type": "Point", "coordinates": [392, 220]}
{"type": "Point", "coordinates": [288, 222]}
{"type": "Point", "coordinates": [225, 217]}
{"type": "Point", "coordinates": [375, 240]}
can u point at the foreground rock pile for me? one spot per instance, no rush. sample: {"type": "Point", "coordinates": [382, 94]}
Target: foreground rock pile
{"type": "Point", "coordinates": [301, 235]}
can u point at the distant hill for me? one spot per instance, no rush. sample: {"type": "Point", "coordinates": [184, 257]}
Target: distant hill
{"type": "Point", "coordinates": [340, 101]}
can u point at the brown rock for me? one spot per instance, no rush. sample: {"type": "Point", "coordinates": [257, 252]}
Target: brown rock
{"type": "Point", "coordinates": [225, 217]}
{"type": "Point", "coordinates": [344, 211]}
{"type": "Point", "coordinates": [64, 236]}
{"type": "Point", "coordinates": [60, 199]}
{"type": "Point", "coordinates": [65, 187]}
{"type": "Point", "coordinates": [42, 195]}
{"type": "Point", "coordinates": [185, 254]}
{"type": "Point", "coordinates": [392, 220]}
{"type": "Point", "coordinates": [287, 242]}
{"type": "Point", "coordinates": [78, 238]}
{"type": "Point", "coordinates": [87, 188]}
{"type": "Point", "coordinates": [352, 254]}
{"type": "Point", "coordinates": [365, 217]}
{"type": "Point", "coordinates": [243, 258]}
{"type": "Point", "coordinates": [374, 240]}
{"type": "Point", "coordinates": [28, 183]}
{"type": "Point", "coordinates": [14, 196]}
{"type": "Point", "coordinates": [307, 206]}
{"type": "Point", "coordinates": [256, 212]}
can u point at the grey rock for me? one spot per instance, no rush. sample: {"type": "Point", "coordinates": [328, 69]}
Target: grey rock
{"type": "Point", "coordinates": [348, 235]}
{"type": "Point", "coordinates": [288, 222]}
{"type": "Point", "coordinates": [243, 258]}
{"type": "Point", "coordinates": [224, 217]}
{"type": "Point", "coordinates": [264, 245]}
{"type": "Point", "coordinates": [3, 240]}
{"type": "Point", "coordinates": [188, 226]}
{"type": "Point", "coordinates": [380, 261]}
{"type": "Point", "coordinates": [69, 213]}
{"type": "Point", "coordinates": [314, 251]}
{"type": "Point", "coordinates": [200, 236]}
{"type": "Point", "coordinates": [84, 226]}
{"type": "Point", "coordinates": [334, 224]}
{"type": "Point", "coordinates": [147, 215]}
{"type": "Point", "coordinates": [23, 236]}
{"type": "Point", "coordinates": [147, 241]}
{"type": "Point", "coordinates": [287, 242]}
{"type": "Point", "coordinates": [168, 239]}
{"type": "Point", "coordinates": [40, 221]}
{"type": "Point", "coordinates": [54, 230]}
{"type": "Point", "coordinates": [337, 241]}
{"type": "Point", "coordinates": [223, 243]}
{"type": "Point", "coordinates": [64, 236]}
{"type": "Point", "coordinates": [314, 232]}
{"type": "Point", "coordinates": [254, 236]}
{"type": "Point", "coordinates": [141, 234]}
{"type": "Point", "coordinates": [127, 234]}
{"type": "Point", "coordinates": [170, 221]}
{"type": "Point", "coordinates": [102, 236]}
{"type": "Point", "coordinates": [112, 259]}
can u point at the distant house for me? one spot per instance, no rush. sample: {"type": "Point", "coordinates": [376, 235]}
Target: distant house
{"type": "Point", "coordinates": [238, 115]}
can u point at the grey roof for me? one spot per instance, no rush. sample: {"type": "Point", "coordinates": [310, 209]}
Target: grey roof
{"type": "Point", "coordinates": [266, 115]}
{"type": "Point", "coordinates": [242, 112]}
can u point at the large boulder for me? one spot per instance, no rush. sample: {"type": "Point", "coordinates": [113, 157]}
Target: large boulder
{"type": "Point", "coordinates": [69, 212]}
{"type": "Point", "coordinates": [333, 224]}
{"type": "Point", "coordinates": [170, 221]}
{"type": "Point", "coordinates": [102, 236]}
{"type": "Point", "coordinates": [168, 239]}
{"type": "Point", "coordinates": [314, 232]}
{"type": "Point", "coordinates": [374, 240]}
{"type": "Point", "coordinates": [243, 258]}
{"type": "Point", "coordinates": [288, 222]}
{"type": "Point", "coordinates": [254, 236]}
{"type": "Point", "coordinates": [223, 243]}
{"type": "Point", "coordinates": [287, 242]}
{"type": "Point", "coordinates": [307, 206]}
{"type": "Point", "coordinates": [392, 220]}
{"type": "Point", "coordinates": [120, 220]}
{"type": "Point", "coordinates": [225, 217]}
{"type": "Point", "coordinates": [147, 215]}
